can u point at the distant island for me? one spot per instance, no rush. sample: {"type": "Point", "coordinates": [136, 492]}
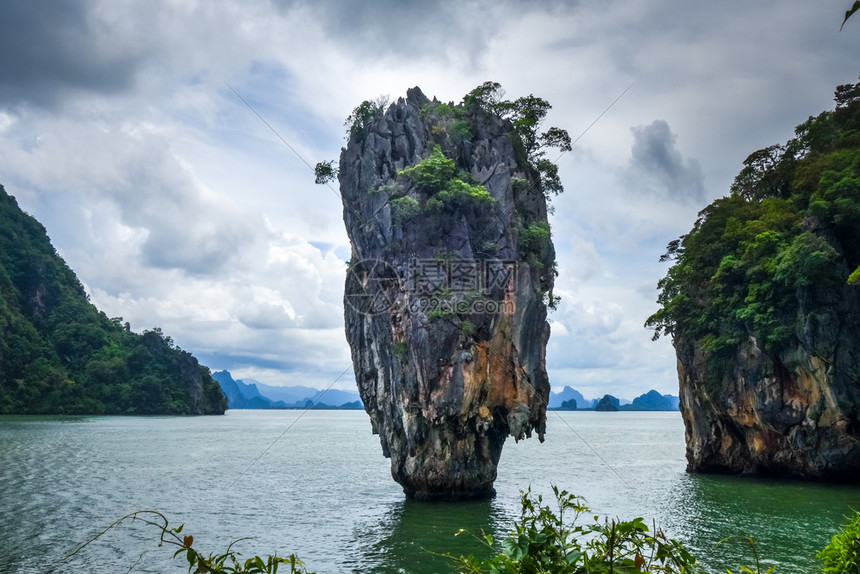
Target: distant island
{"type": "Point", "coordinates": [251, 394]}
{"type": "Point", "coordinates": [569, 399]}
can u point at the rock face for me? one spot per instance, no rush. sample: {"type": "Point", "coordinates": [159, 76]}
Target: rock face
{"type": "Point", "coordinates": [793, 414]}
{"type": "Point", "coordinates": [444, 298]}
{"type": "Point", "coordinates": [763, 306]}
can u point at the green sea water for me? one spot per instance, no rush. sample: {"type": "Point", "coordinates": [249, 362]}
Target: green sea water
{"type": "Point", "coordinates": [316, 484]}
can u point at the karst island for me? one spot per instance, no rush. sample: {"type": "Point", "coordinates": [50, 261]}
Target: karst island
{"type": "Point", "coordinates": [450, 277]}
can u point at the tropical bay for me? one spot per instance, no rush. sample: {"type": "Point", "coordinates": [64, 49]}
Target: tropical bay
{"type": "Point", "coordinates": [194, 243]}
{"type": "Point", "coordinates": [319, 489]}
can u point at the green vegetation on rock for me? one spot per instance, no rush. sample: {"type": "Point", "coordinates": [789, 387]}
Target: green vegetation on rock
{"type": "Point", "coordinates": [446, 189]}
{"type": "Point", "coordinates": [59, 354]}
{"type": "Point", "coordinates": [362, 114]}
{"type": "Point", "coordinates": [526, 114]}
{"type": "Point", "coordinates": [784, 242]}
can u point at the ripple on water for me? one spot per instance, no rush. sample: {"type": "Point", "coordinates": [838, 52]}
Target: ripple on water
{"type": "Point", "coordinates": [324, 490]}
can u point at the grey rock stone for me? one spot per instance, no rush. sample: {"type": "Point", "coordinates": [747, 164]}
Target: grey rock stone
{"type": "Point", "coordinates": [444, 386]}
{"type": "Point", "coordinates": [793, 414]}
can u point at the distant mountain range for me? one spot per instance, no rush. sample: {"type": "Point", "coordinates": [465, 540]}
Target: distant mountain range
{"type": "Point", "coordinates": [251, 394]}
{"type": "Point", "coordinates": [571, 399]}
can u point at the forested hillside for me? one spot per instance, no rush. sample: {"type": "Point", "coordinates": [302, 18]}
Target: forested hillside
{"type": "Point", "coordinates": [787, 237]}
{"type": "Point", "coordinates": [763, 304]}
{"type": "Point", "coordinates": [59, 354]}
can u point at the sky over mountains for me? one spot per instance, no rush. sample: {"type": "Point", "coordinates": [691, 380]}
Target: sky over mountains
{"type": "Point", "coordinates": [178, 207]}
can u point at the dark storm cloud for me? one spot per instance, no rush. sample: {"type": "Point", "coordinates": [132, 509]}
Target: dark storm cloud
{"type": "Point", "coordinates": [419, 29]}
{"type": "Point", "coordinates": [654, 155]}
{"type": "Point", "coordinates": [50, 48]}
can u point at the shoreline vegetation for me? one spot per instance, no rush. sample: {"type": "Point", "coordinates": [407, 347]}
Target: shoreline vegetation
{"type": "Point", "coordinates": [561, 537]}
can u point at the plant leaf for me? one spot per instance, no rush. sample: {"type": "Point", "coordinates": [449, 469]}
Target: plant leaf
{"type": "Point", "coordinates": [849, 13]}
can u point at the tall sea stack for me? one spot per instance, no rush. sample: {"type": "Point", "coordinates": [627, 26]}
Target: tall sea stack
{"type": "Point", "coordinates": [446, 291]}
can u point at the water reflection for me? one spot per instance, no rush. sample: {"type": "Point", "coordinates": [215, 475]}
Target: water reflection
{"type": "Point", "coordinates": [789, 520]}
{"type": "Point", "coordinates": [410, 537]}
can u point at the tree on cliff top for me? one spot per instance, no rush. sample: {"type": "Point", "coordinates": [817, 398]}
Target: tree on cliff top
{"type": "Point", "coordinates": [526, 115]}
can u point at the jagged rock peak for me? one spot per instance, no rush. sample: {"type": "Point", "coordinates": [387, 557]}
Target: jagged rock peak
{"type": "Point", "coordinates": [444, 298]}
{"type": "Point", "coordinates": [415, 97]}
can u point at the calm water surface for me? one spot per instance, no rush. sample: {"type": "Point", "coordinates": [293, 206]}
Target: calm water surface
{"type": "Point", "coordinates": [324, 491]}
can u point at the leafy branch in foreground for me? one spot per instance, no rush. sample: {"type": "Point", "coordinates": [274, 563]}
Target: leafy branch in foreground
{"type": "Point", "coordinates": [842, 555]}
{"type": "Point", "coordinates": [547, 540]}
{"type": "Point", "coordinates": [226, 563]}
{"type": "Point", "coordinates": [544, 540]}
{"type": "Point", "coordinates": [850, 12]}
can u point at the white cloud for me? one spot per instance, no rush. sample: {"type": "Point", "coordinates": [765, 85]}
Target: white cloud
{"type": "Point", "coordinates": [179, 208]}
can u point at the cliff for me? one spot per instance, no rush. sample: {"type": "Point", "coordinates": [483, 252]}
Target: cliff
{"type": "Point", "coordinates": [61, 355]}
{"type": "Point", "coordinates": [445, 300]}
{"type": "Point", "coordinates": [764, 310]}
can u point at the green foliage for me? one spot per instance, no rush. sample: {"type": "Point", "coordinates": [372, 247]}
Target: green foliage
{"type": "Point", "coordinates": [557, 539]}
{"type": "Point", "coordinates": [363, 113]}
{"type": "Point", "coordinates": [519, 185]}
{"type": "Point", "coordinates": [444, 301]}
{"type": "Point", "coordinates": [404, 209]}
{"type": "Point", "coordinates": [431, 174]}
{"type": "Point", "coordinates": [547, 539]}
{"type": "Point", "coordinates": [526, 115]}
{"type": "Point", "coordinates": [551, 301]}
{"type": "Point", "coordinates": [459, 193]}
{"type": "Point", "coordinates": [850, 12]}
{"type": "Point", "coordinates": [228, 562]}
{"type": "Point", "coordinates": [60, 355]}
{"type": "Point", "coordinates": [399, 350]}
{"type": "Point", "coordinates": [854, 278]}
{"type": "Point", "coordinates": [448, 121]}
{"type": "Point", "coordinates": [324, 172]}
{"type": "Point", "coordinates": [782, 243]}
{"type": "Point", "coordinates": [842, 555]}
{"type": "Point", "coordinates": [550, 179]}
{"type": "Point", "coordinates": [486, 96]}
{"type": "Point", "coordinates": [534, 239]}
{"type": "Point", "coordinates": [461, 130]}
{"type": "Point", "coordinates": [447, 189]}
{"type": "Point", "coordinates": [467, 328]}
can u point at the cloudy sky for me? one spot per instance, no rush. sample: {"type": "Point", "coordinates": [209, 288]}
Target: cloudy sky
{"type": "Point", "coordinates": [178, 207]}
